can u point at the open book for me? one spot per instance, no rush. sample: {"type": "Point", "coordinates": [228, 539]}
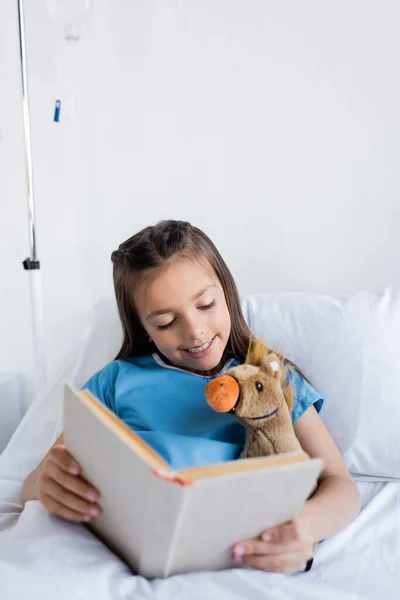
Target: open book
{"type": "Point", "coordinates": [162, 522]}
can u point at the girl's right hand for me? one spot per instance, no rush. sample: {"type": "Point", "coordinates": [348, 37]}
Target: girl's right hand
{"type": "Point", "coordinates": [60, 488]}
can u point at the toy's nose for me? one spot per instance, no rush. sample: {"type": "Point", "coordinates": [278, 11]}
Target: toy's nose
{"type": "Point", "coordinates": [222, 393]}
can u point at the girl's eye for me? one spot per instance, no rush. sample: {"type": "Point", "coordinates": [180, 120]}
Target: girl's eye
{"type": "Point", "coordinates": [165, 327]}
{"type": "Point", "coordinates": [207, 306]}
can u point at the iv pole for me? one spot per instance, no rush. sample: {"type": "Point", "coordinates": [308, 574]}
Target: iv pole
{"type": "Point", "coordinates": [32, 263]}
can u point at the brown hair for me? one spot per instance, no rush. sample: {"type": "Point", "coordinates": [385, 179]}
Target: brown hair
{"type": "Point", "coordinates": [153, 248]}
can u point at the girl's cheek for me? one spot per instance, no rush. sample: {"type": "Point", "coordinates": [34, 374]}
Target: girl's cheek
{"type": "Point", "coordinates": [174, 340]}
{"type": "Point", "coordinates": [224, 319]}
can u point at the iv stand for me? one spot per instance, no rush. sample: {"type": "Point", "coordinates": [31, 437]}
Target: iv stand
{"type": "Point", "coordinates": [32, 263]}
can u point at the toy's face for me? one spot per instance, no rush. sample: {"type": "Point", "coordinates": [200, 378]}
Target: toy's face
{"type": "Point", "coordinates": [253, 394]}
{"type": "Point", "coordinates": [260, 395]}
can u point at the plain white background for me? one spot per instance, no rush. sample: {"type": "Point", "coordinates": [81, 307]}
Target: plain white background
{"type": "Point", "coordinates": [274, 126]}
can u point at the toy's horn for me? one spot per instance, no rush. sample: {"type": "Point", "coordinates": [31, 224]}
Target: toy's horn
{"type": "Point", "coordinates": [222, 393]}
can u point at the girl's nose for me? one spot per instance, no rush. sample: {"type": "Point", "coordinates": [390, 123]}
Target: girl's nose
{"type": "Point", "coordinates": [192, 331]}
{"type": "Point", "coordinates": [195, 334]}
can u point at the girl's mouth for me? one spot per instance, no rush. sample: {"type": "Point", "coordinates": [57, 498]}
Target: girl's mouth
{"type": "Point", "coordinates": [200, 351]}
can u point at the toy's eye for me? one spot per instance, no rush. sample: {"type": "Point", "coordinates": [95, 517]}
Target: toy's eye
{"type": "Point", "coordinates": [259, 386]}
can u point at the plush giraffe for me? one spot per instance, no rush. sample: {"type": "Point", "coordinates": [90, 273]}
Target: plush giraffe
{"type": "Point", "coordinates": [257, 394]}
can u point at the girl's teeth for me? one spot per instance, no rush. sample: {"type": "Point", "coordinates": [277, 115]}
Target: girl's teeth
{"type": "Point", "coordinates": [200, 348]}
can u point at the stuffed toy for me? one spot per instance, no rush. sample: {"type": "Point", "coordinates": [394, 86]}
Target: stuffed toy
{"type": "Point", "coordinates": [257, 394]}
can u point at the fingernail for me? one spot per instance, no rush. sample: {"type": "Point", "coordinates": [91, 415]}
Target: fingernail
{"type": "Point", "coordinates": [74, 470]}
{"type": "Point", "coordinates": [267, 537]}
{"type": "Point", "coordinates": [86, 518]}
{"type": "Point", "coordinates": [92, 496]}
{"type": "Point", "coordinates": [237, 558]}
{"type": "Point", "coordinates": [93, 511]}
{"type": "Point", "coordinates": [240, 551]}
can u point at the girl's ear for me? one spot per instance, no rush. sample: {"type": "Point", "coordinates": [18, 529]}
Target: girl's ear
{"type": "Point", "coordinates": [270, 364]}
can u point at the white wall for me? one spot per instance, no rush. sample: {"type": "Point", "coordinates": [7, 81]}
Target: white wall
{"type": "Point", "coordinates": [272, 125]}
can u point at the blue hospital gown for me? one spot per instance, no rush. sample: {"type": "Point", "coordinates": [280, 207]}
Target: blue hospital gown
{"type": "Point", "coordinates": [166, 406]}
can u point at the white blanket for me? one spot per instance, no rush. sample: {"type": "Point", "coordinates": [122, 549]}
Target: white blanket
{"type": "Point", "coordinates": [44, 557]}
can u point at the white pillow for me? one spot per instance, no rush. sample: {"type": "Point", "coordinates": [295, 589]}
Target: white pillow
{"type": "Point", "coordinates": [350, 351]}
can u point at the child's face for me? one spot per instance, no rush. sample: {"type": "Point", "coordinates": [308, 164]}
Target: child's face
{"type": "Point", "coordinates": [183, 310]}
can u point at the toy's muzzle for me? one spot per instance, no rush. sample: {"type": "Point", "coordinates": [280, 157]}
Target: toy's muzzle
{"type": "Point", "coordinates": [223, 393]}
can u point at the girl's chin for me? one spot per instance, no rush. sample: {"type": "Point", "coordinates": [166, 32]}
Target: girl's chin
{"type": "Point", "coordinates": [207, 364]}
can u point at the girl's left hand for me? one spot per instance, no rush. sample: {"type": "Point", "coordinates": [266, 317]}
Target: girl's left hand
{"type": "Point", "coordinates": [282, 549]}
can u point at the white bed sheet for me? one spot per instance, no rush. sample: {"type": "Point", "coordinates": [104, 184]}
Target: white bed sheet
{"type": "Point", "coordinates": [44, 557]}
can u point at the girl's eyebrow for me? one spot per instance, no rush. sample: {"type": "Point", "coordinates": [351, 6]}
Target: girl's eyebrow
{"type": "Point", "coordinates": [163, 311]}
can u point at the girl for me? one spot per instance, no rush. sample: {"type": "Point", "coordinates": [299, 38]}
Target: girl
{"type": "Point", "coordinates": [183, 325]}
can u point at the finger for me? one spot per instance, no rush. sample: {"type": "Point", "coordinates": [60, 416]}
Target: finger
{"type": "Point", "coordinates": [292, 562]}
{"type": "Point", "coordinates": [286, 532]}
{"type": "Point", "coordinates": [61, 510]}
{"type": "Point", "coordinates": [62, 457]}
{"type": "Point", "coordinates": [73, 483]}
{"type": "Point", "coordinates": [49, 487]}
{"type": "Point", "coordinates": [257, 546]}
{"type": "Point", "coordinates": [60, 439]}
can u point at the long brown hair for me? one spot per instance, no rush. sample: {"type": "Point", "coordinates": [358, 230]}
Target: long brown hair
{"type": "Point", "coordinates": [152, 249]}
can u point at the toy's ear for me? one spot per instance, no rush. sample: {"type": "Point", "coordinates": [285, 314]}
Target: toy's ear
{"type": "Point", "coordinates": [271, 365]}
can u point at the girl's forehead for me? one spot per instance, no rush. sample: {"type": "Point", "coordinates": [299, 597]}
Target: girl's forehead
{"type": "Point", "coordinates": [179, 280]}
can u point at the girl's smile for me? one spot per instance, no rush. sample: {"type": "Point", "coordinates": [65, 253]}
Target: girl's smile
{"type": "Point", "coordinates": [197, 352]}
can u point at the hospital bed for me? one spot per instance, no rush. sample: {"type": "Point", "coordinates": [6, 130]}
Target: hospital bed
{"type": "Point", "coordinates": [350, 350]}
